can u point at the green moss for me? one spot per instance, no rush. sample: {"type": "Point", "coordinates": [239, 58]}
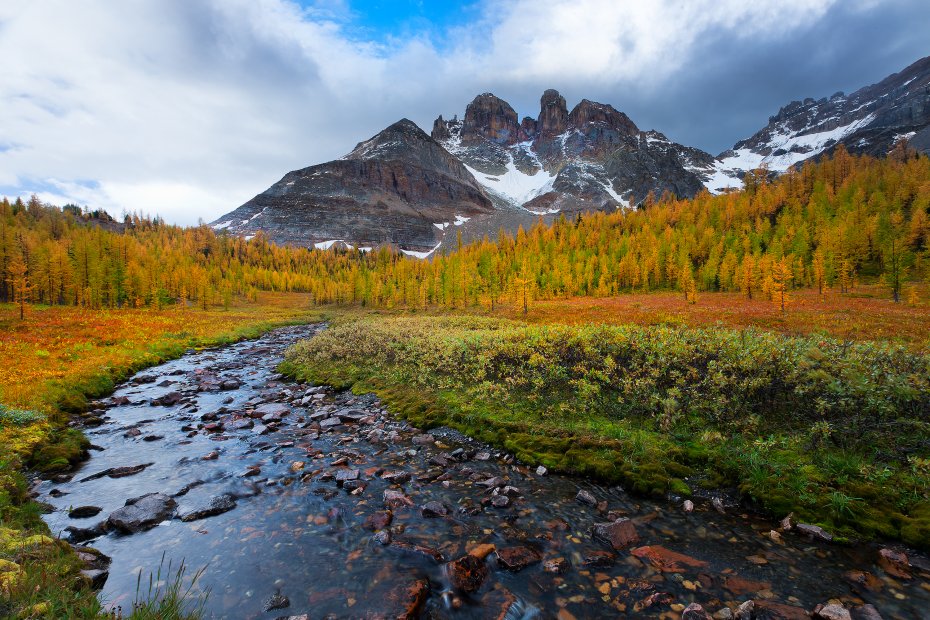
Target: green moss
{"type": "Point", "coordinates": [60, 451]}
{"type": "Point", "coordinates": [792, 422]}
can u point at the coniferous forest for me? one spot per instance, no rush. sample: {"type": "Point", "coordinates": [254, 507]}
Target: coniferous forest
{"type": "Point", "coordinates": [826, 226]}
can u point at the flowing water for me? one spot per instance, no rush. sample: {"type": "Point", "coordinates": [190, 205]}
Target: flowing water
{"type": "Point", "coordinates": [298, 474]}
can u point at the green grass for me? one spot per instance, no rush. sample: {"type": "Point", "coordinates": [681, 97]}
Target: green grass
{"type": "Point", "coordinates": [835, 433]}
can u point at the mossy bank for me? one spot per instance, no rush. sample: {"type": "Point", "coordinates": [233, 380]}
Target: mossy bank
{"type": "Point", "coordinates": [837, 433]}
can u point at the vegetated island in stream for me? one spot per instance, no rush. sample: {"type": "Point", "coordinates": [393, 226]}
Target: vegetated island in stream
{"type": "Point", "coordinates": [831, 431]}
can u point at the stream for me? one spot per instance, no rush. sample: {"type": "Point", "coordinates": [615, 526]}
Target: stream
{"type": "Point", "coordinates": [304, 502]}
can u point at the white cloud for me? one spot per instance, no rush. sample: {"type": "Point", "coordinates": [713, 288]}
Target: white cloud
{"type": "Point", "coordinates": [188, 108]}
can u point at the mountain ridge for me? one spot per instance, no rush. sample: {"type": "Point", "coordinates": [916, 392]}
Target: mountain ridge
{"type": "Point", "coordinates": [492, 169]}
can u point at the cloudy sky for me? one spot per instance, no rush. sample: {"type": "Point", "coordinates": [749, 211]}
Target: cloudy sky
{"type": "Point", "coordinates": [188, 108]}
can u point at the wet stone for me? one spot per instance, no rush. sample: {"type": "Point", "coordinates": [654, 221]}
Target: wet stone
{"type": "Point", "coordinates": [599, 559]}
{"type": "Point", "coordinates": [396, 477]}
{"type": "Point", "coordinates": [84, 512]}
{"type": "Point", "coordinates": [82, 534]}
{"type": "Point", "coordinates": [500, 501]}
{"type": "Point", "coordinates": [218, 505]}
{"type": "Point", "coordinates": [517, 558]}
{"type": "Point", "coordinates": [417, 549]}
{"type": "Point", "coordinates": [241, 424]}
{"type": "Point", "coordinates": [396, 499]}
{"type": "Point", "coordinates": [620, 534]}
{"type": "Point", "coordinates": [117, 472]}
{"type": "Point", "coordinates": [832, 611]}
{"type": "Point", "coordinates": [467, 573]}
{"type": "Point", "coordinates": [556, 565]}
{"type": "Point", "coordinates": [585, 497]}
{"type": "Point", "coordinates": [344, 475]}
{"type": "Point", "coordinates": [168, 400]}
{"type": "Point", "coordinates": [276, 601]}
{"type": "Point", "coordinates": [770, 610]}
{"type": "Point", "coordinates": [378, 520]}
{"type": "Point", "coordinates": [894, 563]}
{"type": "Point", "coordinates": [96, 578]}
{"type": "Point", "coordinates": [434, 509]}
{"type": "Point", "coordinates": [813, 531]}
{"type": "Point", "coordinates": [694, 612]}
{"type": "Point", "coordinates": [142, 513]}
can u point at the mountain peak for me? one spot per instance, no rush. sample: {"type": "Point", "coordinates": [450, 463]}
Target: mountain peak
{"type": "Point", "coordinates": [489, 117]}
{"type": "Point", "coordinates": [553, 114]}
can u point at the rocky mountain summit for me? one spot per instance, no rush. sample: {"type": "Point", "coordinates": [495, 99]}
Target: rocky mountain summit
{"type": "Point", "coordinates": [869, 121]}
{"type": "Point", "coordinates": [593, 157]}
{"type": "Point", "coordinates": [388, 190]}
{"type": "Point", "coordinates": [492, 170]}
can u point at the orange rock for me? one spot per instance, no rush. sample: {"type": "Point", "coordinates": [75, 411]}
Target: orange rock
{"type": "Point", "coordinates": [666, 560]}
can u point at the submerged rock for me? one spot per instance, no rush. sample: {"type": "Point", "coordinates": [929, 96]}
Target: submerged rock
{"type": "Point", "coordinates": [218, 505]}
{"type": "Point", "coordinates": [517, 558]}
{"type": "Point", "coordinates": [585, 497]}
{"type": "Point", "coordinates": [620, 534]}
{"type": "Point", "coordinates": [814, 531]}
{"type": "Point", "coordinates": [467, 573]}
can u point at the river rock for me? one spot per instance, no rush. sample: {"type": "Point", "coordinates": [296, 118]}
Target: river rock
{"type": "Point", "coordinates": [117, 472]}
{"type": "Point", "coordinates": [585, 497]}
{"type": "Point", "coordinates": [417, 549]}
{"type": "Point", "coordinates": [866, 612]}
{"type": "Point", "coordinates": [378, 520]}
{"type": "Point", "coordinates": [620, 534]}
{"type": "Point", "coordinates": [405, 601]}
{"type": "Point", "coordinates": [556, 565]}
{"type": "Point", "coordinates": [96, 578]}
{"type": "Point", "coordinates": [517, 558]}
{"type": "Point", "coordinates": [395, 499]}
{"type": "Point", "coordinates": [745, 610]}
{"type": "Point", "coordinates": [241, 424]}
{"type": "Point", "coordinates": [813, 531]}
{"type": "Point", "coordinates": [84, 512]}
{"type": "Point", "coordinates": [434, 509]}
{"type": "Point", "coordinates": [599, 559]}
{"type": "Point", "coordinates": [218, 505]}
{"type": "Point", "coordinates": [82, 534]}
{"type": "Point", "coordinates": [278, 410]}
{"type": "Point", "coordinates": [831, 611]}
{"type": "Point", "coordinates": [276, 601]}
{"type": "Point", "coordinates": [396, 477]}
{"type": "Point", "coordinates": [142, 513]}
{"type": "Point", "coordinates": [500, 501]}
{"type": "Point", "coordinates": [770, 610]}
{"type": "Point", "coordinates": [344, 475]}
{"type": "Point", "coordinates": [666, 560]}
{"type": "Point", "coordinates": [895, 563]}
{"type": "Point", "coordinates": [167, 400]}
{"type": "Point", "coordinates": [467, 573]}
{"type": "Point", "coordinates": [694, 612]}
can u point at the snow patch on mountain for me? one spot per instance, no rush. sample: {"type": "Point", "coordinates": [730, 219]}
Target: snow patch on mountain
{"type": "Point", "coordinates": [516, 186]}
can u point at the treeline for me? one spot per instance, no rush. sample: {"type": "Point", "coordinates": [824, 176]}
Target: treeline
{"type": "Point", "coordinates": [826, 225]}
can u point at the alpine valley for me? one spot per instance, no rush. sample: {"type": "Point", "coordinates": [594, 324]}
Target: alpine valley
{"type": "Point", "coordinates": [492, 170]}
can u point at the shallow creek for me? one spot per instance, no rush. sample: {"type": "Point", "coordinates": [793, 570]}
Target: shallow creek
{"type": "Point", "coordinates": [301, 500]}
